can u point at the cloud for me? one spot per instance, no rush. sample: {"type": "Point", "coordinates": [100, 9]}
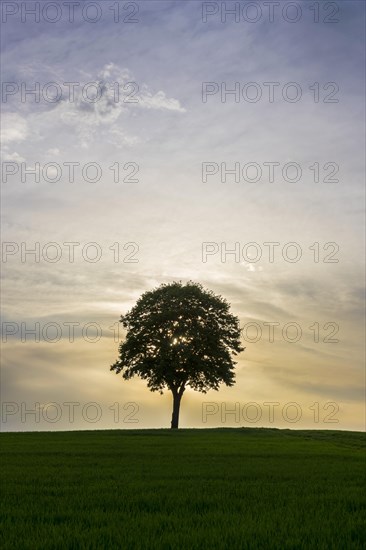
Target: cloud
{"type": "Point", "coordinates": [159, 101]}
{"type": "Point", "coordinates": [100, 106]}
{"type": "Point", "coordinates": [14, 128]}
{"type": "Point", "coordinates": [12, 157]}
{"type": "Point", "coordinates": [53, 152]}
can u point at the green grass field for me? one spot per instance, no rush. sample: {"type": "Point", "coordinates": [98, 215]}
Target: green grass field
{"type": "Point", "coordinates": [194, 489]}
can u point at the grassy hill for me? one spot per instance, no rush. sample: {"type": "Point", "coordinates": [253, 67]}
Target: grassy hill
{"type": "Point", "coordinates": [243, 488]}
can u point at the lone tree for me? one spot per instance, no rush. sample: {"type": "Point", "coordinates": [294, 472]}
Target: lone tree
{"type": "Point", "coordinates": [178, 336]}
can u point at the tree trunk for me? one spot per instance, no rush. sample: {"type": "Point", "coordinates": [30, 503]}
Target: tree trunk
{"type": "Point", "coordinates": [177, 396]}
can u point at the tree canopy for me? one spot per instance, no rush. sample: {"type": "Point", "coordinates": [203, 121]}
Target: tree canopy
{"type": "Point", "coordinates": [180, 335]}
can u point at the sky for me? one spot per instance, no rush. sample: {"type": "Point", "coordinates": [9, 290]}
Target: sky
{"type": "Point", "coordinates": [170, 149]}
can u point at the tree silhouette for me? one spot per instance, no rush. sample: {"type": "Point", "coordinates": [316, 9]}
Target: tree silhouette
{"type": "Point", "coordinates": [178, 336]}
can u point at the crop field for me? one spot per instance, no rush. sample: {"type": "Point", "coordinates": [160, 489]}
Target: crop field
{"type": "Point", "coordinates": [243, 488]}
